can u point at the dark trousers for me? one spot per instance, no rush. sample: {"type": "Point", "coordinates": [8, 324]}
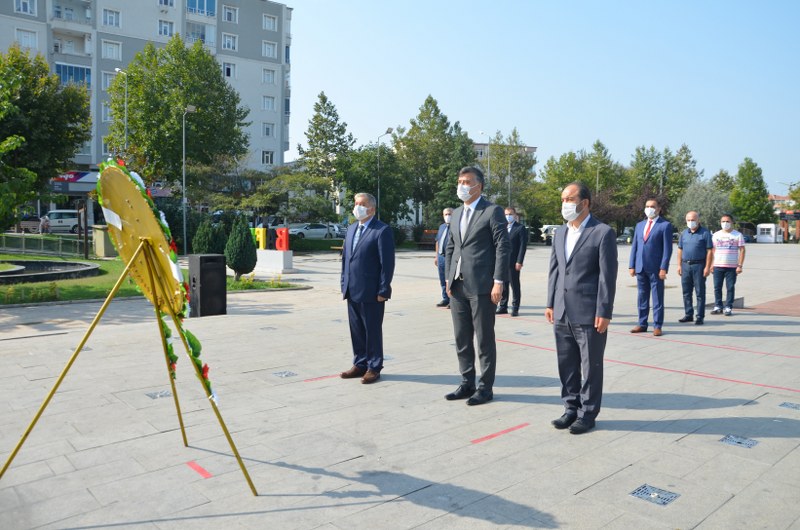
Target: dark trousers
{"type": "Point", "coordinates": [514, 284]}
{"type": "Point", "coordinates": [580, 350]}
{"type": "Point", "coordinates": [728, 275]}
{"type": "Point", "coordinates": [692, 280]}
{"type": "Point", "coordinates": [649, 284]}
{"type": "Point", "coordinates": [366, 334]}
{"type": "Point", "coordinates": [473, 316]}
{"type": "Point", "coordinates": [442, 279]}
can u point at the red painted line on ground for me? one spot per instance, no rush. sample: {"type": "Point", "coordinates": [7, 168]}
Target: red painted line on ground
{"type": "Point", "coordinates": [495, 435]}
{"type": "Point", "coordinates": [526, 345]}
{"type": "Point", "coordinates": [197, 467]}
{"type": "Point", "coordinates": [320, 378]}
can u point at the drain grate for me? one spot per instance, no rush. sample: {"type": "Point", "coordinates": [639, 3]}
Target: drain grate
{"type": "Point", "coordinates": [740, 441]}
{"type": "Point", "coordinates": [285, 373]}
{"type": "Point", "coordinates": [787, 405]}
{"type": "Point", "coordinates": [159, 394]}
{"type": "Point", "coordinates": [654, 495]}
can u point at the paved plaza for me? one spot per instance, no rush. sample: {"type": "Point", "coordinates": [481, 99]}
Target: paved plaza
{"type": "Point", "coordinates": [335, 454]}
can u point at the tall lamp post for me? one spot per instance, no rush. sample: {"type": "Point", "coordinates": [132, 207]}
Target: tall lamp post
{"type": "Point", "coordinates": [378, 209]}
{"type": "Point", "coordinates": [123, 72]}
{"type": "Point", "coordinates": [488, 157]}
{"type": "Point", "coordinates": [189, 109]}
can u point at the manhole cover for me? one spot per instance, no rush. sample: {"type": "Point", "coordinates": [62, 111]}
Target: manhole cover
{"type": "Point", "coordinates": [739, 441]}
{"type": "Point", "coordinates": [654, 495]}
{"type": "Point", "coordinates": [285, 373]}
{"type": "Point", "coordinates": [159, 394]}
{"type": "Point", "coordinates": [787, 405]}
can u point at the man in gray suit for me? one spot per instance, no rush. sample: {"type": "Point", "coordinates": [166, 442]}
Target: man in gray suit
{"type": "Point", "coordinates": [476, 265]}
{"type": "Point", "coordinates": [580, 299]}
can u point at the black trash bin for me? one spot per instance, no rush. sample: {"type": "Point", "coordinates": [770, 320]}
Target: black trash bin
{"type": "Point", "coordinates": [207, 288]}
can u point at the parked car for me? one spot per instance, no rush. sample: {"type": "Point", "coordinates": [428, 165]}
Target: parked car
{"type": "Point", "coordinates": [548, 231]}
{"type": "Point", "coordinates": [310, 231]}
{"type": "Point", "coordinates": [626, 237]}
{"type": "Point", "coordinates": [31, 224]}
{"type": "Point", "coordinates": [339, 231]}
{"type": "Point", "coordinates": [63, 220]}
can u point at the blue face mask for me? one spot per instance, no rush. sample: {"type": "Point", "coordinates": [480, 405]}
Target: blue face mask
{"type": "Point", "coordinates": [510, 219]}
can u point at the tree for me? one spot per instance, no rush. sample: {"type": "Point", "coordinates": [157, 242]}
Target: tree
{"type": "Point", "coordinates": [513, 167]}
{"type": "Point", "coordinates": [395, 187]}
{"type": "Point", "coordinates": [705, 199]}
{"type": "Point", "coordinates": [209, 238]}
{"type": "Point", "coordinates": [750, 198]}
{"type": "Point", "coordinates": [723, 181]}
{"type": "Point", "coordinates": [680, 172]}
{"type": "Point", "coordinates": [240, 250]}
{"type": "Point", "coordinates": [42, 126]}
{"type": "Point", "coordinates": [162, 83]}
{"type": "Point", "coordinates": [328, 151]}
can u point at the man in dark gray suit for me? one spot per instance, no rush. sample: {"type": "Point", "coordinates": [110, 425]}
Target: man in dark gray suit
{"type": "Point", "coordinates": [476, 265]}
{"type": "Point", "coordinates": [580, 299]}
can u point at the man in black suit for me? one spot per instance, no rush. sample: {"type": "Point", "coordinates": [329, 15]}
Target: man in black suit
{"type": "Point", "coordinates": [518, 235]}
{"type": "Point", "coordinates": [441, 243]}
{"type": "Point", "coordinates": [367, 270]}
{"type": "Point", "coordinates": [476, 265]}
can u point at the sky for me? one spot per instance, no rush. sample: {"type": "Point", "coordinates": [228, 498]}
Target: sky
{"type": "Point", "coordinates": [722, 76]}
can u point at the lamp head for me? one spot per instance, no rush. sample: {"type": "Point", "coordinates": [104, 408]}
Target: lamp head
{"type": "Point", "coordinates": [191, 108]}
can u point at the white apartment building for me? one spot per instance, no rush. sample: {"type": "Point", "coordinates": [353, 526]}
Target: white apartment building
{"type": "Point", "coordinates": [89, 41]}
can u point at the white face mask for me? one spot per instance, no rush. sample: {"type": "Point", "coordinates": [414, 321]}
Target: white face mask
{"type": "Point", "coordinates": [726, 225]}
{"type": "Point", "coordinates": [569, 211]}
{"type": "Point", "coordinates": [510, 219]}
{"type": "Point", "coordinates": [360, 212]}
{"type": "Point", "coordinates": [464, 192]}
{"type": "Point", "coordinates": [650, 212]}
{"type": "Point", "coordinates": [447, 218]}
{"type": "Point", "coordinates": [691, 224]}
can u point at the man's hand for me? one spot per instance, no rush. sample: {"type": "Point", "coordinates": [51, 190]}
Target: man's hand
{"type": "Point", "coordinates": [680, 270]}
{"type": "Point", "coordinates": [436, 261]}
{"type": "Point", "coordinates": [518, 266]}
{"type": "Point", "coordinates": [601, 324]}
{"type": "Point", "coordinates": [662, 274]}
{"type": "Point", "coordinates": [381, 299]}
{"type": "Point", "coordinates": [706, 272]}
{"type": "Point", "coordinates": [447, 289]}
{"type": "Point", "coordinates": [497, 293]}
{"type": "Point", "coordinates": [632, 271]}
{"type": "Point", "coordinates": [548, 314]}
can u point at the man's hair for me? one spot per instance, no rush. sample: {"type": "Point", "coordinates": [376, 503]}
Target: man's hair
{"type": "Point", "coordinates": [723, 216]}
{"type": "Point", "coordinates": [512, 209]}
{"type": "Point", "coordinates": [655, 200]}
{"type": "Point", "coordinates": [370, 199]}
{"type": "Point", "coordinates": [583, 190]}
{"type": "Point", "coordinates": [475, 171]}
{"type": "Point", "coordinates": [447, 210]}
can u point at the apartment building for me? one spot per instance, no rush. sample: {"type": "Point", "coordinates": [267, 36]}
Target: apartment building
{"type": "Point", "coordinates": [91, 41]}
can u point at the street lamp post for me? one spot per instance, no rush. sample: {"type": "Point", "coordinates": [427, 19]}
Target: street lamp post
{"type": "Point", "coordinates": [378, 209]}
{"type": "Point", "coordinates": [123, 72]}
{"type": "Point", "coordinates": [488, 157]}
{"type": "Point", "coordinates": [189, 109]}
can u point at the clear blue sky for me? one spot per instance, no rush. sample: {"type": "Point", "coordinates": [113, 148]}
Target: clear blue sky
{"type": "Point", "coordinates": [720, 76]}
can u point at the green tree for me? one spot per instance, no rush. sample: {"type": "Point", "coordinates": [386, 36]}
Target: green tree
{"type": "Point", "coordinates": [680, 172]}
{"type": "Point", "coordinates": [162, 83]}
{"type": "Point", "coordinates": [209, 238]}
{"type": "Point", "coordinates": [240, 250]}
{"type": "Point", "coordinates": [750, 198]}
{"type": "Point", "coordinates": [723, 181]}
{"type": "Point", "coordinates": [555, 175]}
{"type": "Point", "coordinates": [363, 177]}
{"type": "Point", "coordinates": [513, 168]}
{"type": "Point", "coordinates": [328, 152]}
{"type": "Point", "coordinates": [705, 199]}
{"type": "Point", "coordinates": [42, 126]}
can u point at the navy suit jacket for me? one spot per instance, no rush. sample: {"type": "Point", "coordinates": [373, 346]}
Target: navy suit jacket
{"type": "Point", "coordinates": [442, 228]}
{"type": "Point", "coordinates": [519, 244]}
{"type": "Point", "coordinates": [654, 254]}
{"type": "Point", "coordinates": [367, 272]}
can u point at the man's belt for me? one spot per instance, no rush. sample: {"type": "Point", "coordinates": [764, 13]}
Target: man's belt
{"type": "Point", "coordinates": [694, 261]}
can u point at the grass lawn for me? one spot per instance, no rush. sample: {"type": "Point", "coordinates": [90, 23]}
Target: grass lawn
{"type": "Point", "coordinates": [96, 287]}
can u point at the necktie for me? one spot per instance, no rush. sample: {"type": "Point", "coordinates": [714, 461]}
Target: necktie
{"type": "Point", "coordinates": [357, 236]}
{"type": "Point", "coordinates": [509, 226]}
{"type": "Point", "coordinates": [647, 230]}
{"type": "Point", "coordinates": [443, 241]}
{"type": "Point", "coordinates": [465, 222]}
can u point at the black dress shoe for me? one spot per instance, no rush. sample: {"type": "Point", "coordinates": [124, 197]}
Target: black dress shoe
{"type": "Point", "coordinates": [698, 322]}
{"type": "Point", "coordinates": [501, 311]}
{"type": "Point", "coordinates": [480, 397]}
{"type": "Point", "coordinates": [515, 312]}
{"type": "Point", "coordinates": [687, 318]}
{"type": "Point", "coordinates": [443, 303]}
{"type": "Point", "coordinates": [565, 420]}
{"type": "Point", "coordinates": [462, 392]}
{"type": "Point", "coordinates": [581, 425]}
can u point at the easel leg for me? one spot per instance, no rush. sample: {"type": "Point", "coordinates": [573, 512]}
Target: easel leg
{"type": "Point", "coordinates": [72, 359]}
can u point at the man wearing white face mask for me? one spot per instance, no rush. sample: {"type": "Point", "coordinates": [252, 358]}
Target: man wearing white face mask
{"type": "Point", "coordinates": [367, 270]}
{"type": "Point", "coordinates": [518, 236]}
{"type": "Point", "coordinates": [651, 249]}
{"type": "Point", "coordinates": [694, 266]}
{"type": "Point", "coordinates": [442, 235]}
{"type": "Point", "coordinates": [728, 262]}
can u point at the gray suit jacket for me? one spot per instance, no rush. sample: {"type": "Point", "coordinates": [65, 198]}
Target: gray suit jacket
{"type": "Point", "coordinates": [484, 252]}
{"type": "Point", "coordinates": [583, 287]}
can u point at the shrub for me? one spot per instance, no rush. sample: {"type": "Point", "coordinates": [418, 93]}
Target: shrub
{"type": "Point", "coordinates": [240, 251]}
{"type": "Point", "coordinates": [210, 238]}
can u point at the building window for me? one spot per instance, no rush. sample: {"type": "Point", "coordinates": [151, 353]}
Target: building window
{"type": "Point", "coordinates": [267, 157]}
{"type": "Point", "coordinates": [270, 23]}
{"type": "Point", "coordinates": [229, 70]}
{"type": "Point", "coordinates": [166, 28]}
{"type": "Point", "coordinates": [27, 7]}
{"type": "Point", "coordinates": [268, 76]}
{"type": "Point", "coordinates": [69, 73]}
{"type": "Point", "coordinates": [27, 39]}
{"type": "Point", "coordinates": [201, 32]}
{"type": "Point", "coordinates": [105, 79]}
{"type": "Point", "coordinates": [85, 148]}
{"type": "Point", "coordinates": [202, 7]}
{"type": "Point", "coordinates": [168, 3]}
{"type": "Point", "coordinates": [107, 112]}
{"type": "Point", "coordinates": [230, 42]}
{"type": "Point", "coordinates": [112, 50]}
{"type": "Point", "coordinates": [287, 55]}
{"type": "Point", "coordinates": [111, 18]}
{"type": "Point", "coordinates": [267, 103]}
{"type": "Point", "coordinates": [106, 147]}
{"type": "Point", "coordinates": [286, 106]}
{"type": "Point", "coordinates": [230, 14]}
{"type": "Point", "coordinates": [267, 130]}
{"type": "Point", "coordinates": [269, 49]}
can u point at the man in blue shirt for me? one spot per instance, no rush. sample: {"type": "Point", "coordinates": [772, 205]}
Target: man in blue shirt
{"type": "Point", "coordinates": [695, 256]}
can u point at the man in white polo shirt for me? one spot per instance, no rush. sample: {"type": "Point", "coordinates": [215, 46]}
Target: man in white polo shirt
{"type": "Point", "coordinates": [728, 261]}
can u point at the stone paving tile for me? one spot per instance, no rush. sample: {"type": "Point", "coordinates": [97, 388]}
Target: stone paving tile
{"type": "Point", "coordinates": [778, 502]}
{"type": "Point", "coordinates": [50, 510]}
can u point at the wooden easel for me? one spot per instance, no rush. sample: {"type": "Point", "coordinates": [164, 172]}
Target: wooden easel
{"type": "Point", "coordinates": [160, 292]}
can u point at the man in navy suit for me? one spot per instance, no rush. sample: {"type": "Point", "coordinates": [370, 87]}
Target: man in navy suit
{"type": "Point", "coordinates": [367, 270]}
{"type": "Point", "coordinates": [518, 235]}
{"type": "Point", "coordinates": [441, 243]}
{"type": "Point", "coordinates": [651, 249]}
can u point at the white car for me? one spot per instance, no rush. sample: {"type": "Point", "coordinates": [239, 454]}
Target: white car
{"type": "Point", "coordinates": [63, 221]}
{"type": "Point", "coordinates": [310, 231]}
